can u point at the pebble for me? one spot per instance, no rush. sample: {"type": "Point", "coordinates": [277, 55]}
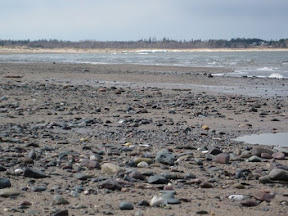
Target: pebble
{"type": "Point", "coordinates": [249, 203]}
{"type": "Point", "coordinates": [5, 183]}
{"type": "Point", "coordinates": [157, 179]}
{"type": "Point", "coordinates": [257, 151]}
{"type": "Point", "coordinates": [9, 192]}
{"type": "Point", "coordinates": [236, 197]}
{"type": "Point", "coordinates": [33, 173]}
{"type": "Point", "coordinates": [143, 164]}
{"type": "Point", "coordinates": [279, 155]}
{"type": "Point", "coordinates": [158, 201]}
{"type": "Point", "coordinates": [110, 184]}
{"type": "Point", "coordinates": [278, 174]}
{"type": "Point", "coordinates": [82, 176]}
{"type": "Point", "coordinates": [110, 168]}
{"type": "Point", "coordinates": [263, 196]}
{"type": "Point", "coordinates": [254, 159]}
{"type": "Point", "coordinates": [222, 158]}
{"type": "Point", "coordinates": [59, 200]}
{"type": "Point", "coordinates": [165, 157]}
{"type": "Point", "coordinates": [126, 205]}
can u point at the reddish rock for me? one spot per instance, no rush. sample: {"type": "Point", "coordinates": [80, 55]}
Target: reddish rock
{"type": "Point", "coordinates": [279, 156]}
{"type": "Point", "coordinates": [222, 158]}
{"type": "Point", "coordinates": [266, 156]}
{"type": "Point", "coordinates": [263, 196]}
{"type": "Point", "coordinates": [206, 185]}
{"type": "Point", "coordinates": [249, 203]}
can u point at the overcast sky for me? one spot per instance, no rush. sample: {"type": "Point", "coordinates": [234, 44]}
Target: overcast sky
{"type": "Point", "coordinates": [108, 20]}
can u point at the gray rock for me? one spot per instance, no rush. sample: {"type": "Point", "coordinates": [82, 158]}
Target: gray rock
{"type": "Point", "coordinates": [9, 192]}
{"type": "Point", "coordinates": [222, 158]}
{"type": "Point", "coordinates": [2, 168]}
{"type": "Point", "coordinates": [59, 200]}
{"type": "Point", "coordinates": [32, 155]}
{"type": "Point", "coordinates": [281, 149]}
{"type": "Point", "coordinates": [257, 151]}
{"type": "Point", "coordinates": [165, 157]}
{"type": "Point", "coordinates": [4, 183]}
{"type": "Point", "coordinates": [61, 213]}
{"type": "Point", "coordinates": [215, 151]}
{"type": "Point", "coordinates": [110, 184]}
{"type": "Point", "coordinates": [82, 176]}
{"type": "Point", "coordinates": [33, 173]}
{"type": "Point", "coordinates": [278, 175]}
{"type": "Point", "coordinates": [126, 205]}
{"type": "Point", "coordinates": [254, 159]}
{"type": "Point", "coordinates": [137, 175]}
{"type": "Point", "coordinates": [157, 179]}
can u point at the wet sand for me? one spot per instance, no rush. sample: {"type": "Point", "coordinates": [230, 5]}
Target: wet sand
{"type": "Point", "coordinates": [55, 118]}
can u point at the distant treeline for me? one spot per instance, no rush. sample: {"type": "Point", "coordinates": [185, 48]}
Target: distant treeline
{"type": "Point", "coordinates": [149, 43]}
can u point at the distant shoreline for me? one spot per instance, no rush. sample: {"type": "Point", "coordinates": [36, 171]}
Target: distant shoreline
{"type": "Point", "coordinates": [21, 50]}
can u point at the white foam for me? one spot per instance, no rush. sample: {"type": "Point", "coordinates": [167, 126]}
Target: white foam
{"type": "Point", "coordinates": [276, 75]}
{"type": "Point", "coordinates": [265, 69]}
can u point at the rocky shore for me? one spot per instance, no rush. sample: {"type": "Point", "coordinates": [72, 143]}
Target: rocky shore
{"type": "Point", "coordinates": [139, 140]}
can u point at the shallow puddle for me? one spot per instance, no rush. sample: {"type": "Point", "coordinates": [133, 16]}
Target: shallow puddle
{"type": "Point", "coordinates": [277, 139]}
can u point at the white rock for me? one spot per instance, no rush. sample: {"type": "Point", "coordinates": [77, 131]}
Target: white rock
{"type": "Point", "coordinates": [18, 171]}
{"type": "Point", "coordinates": [236, 197]}
{"type": "Point", "coordinates": [143, 164]}
{"type": "Point", "coordinates": [157, 201]}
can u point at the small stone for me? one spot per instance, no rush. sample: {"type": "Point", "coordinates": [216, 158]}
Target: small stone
{"type": "Point", "coordinates": [254, 159]}
{"type": "Point", "coordinates": [281, 149]}
{"type": "Point", "coordinates": [137, 175]}
{"type": "Point", "coordinates": [2, 168]}
{"type": "Point", "coordinates": [214, 151]}
{"type": "Point", "coordinates": [278, 175]}
{"type": "Point", "coordinates": [62, 213]}
{"type": "Point", "coordinates": [265, 180]}
{"type": "Point", "coordinates": [32, 155]}
{"type": "Point", "coordinates": [90, 164]}
{"type": "Point", "coordinates": [110, 184]}
{"type": "Point", "coordinates": [143, 164]}
{"type": "Point", "coordinates": [5, 183]}
{"type": "Point", "coordinates": [158, 201]}
{"type": "Point", "coordinates": [263, 196]}
{"type": "Point", "coordinates": [33, 173]}
{"type": "Point", "coordinates": [249, 203]}
{"type": "Point", "coordinates": [206, 185]}
{"type": "Point", "coordinates": [126, 206]}
{"type": "Point", "coordinates": [266, 156]}
{"type": "Point", "coordinates": [238, 186]}
{"type": "Point", "coordinates": [157, 179]}
{"type": "Point", "coordinates": [279, 156]}
{"type": "Point", "coordinates": [205, 127]}
{"type": "Point", "coordinates": [222, 158]}
{"type": "Point", "coordinates": [236, 197]}
{"type": "Point", "coordinates": [9, 192]}
{"type": "Point", "coordinates": [110, 168]}
{"type": "Point", "coordinates": [59, 200]}
{"type": "Point", "coordinates": [82, 176]}
{"type": "Point", "coordinates": [165, 157]}
{"type": "Point", "coordinates": [257, 151]}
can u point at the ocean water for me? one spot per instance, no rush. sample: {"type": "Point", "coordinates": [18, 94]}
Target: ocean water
{"type": "Point", "coordinates": [259, 64]}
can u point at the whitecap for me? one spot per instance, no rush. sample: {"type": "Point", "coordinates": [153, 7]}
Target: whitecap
{"type": "Point", "coordinates": [276, 75]}
{"type": "Point", "coordinates": [265, 69]}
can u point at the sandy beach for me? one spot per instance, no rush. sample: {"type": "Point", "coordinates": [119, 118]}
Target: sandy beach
{"type": "Point", "coordinates": [83, 139]}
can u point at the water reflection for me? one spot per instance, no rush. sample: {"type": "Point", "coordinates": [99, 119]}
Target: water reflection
{"type": "Point", "coordinates": [277, 139]}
